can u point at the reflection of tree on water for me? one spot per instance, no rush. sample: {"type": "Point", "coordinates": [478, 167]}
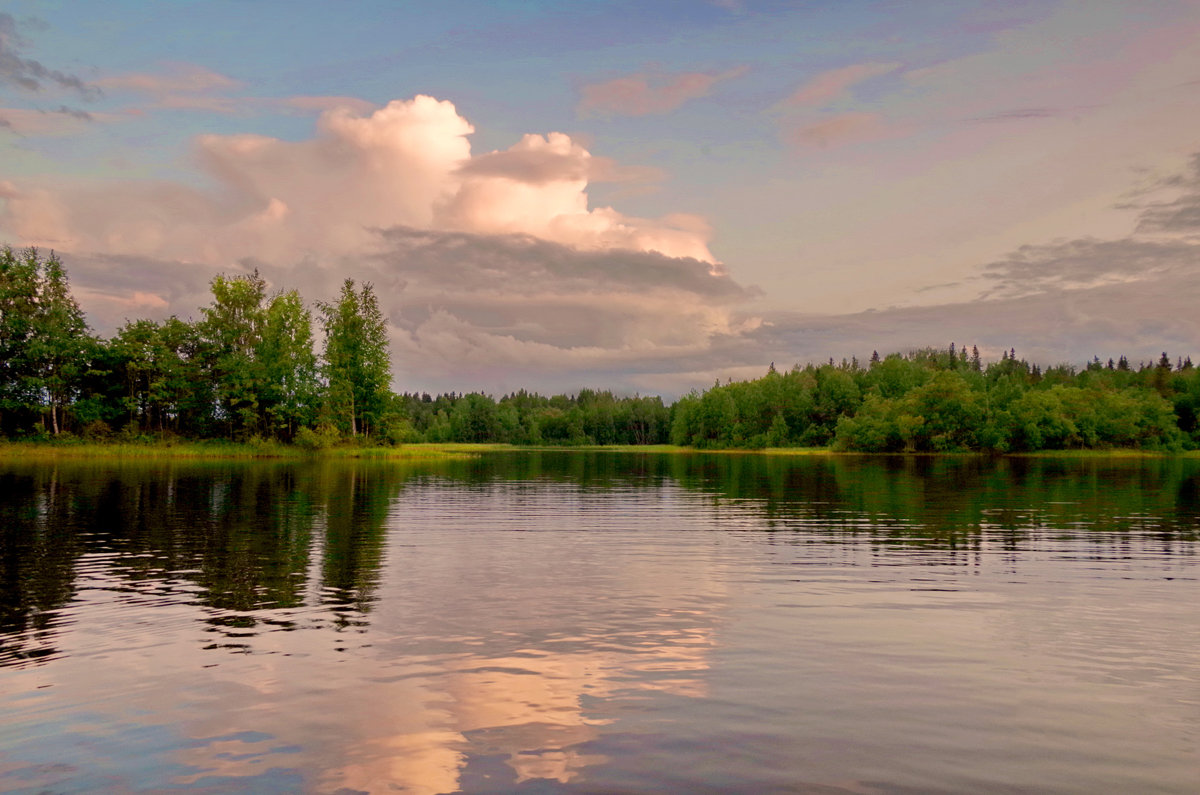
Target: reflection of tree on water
{"type": "Point", "coordinates": [246, 533]}
{"type": "Point", "coordinates": [237, 538]}
{"type": "Point", "coordinates": [949, 501]}
{"type": "Point", "coordinates": [39, 548]}
{"type": "Point", "coordinates": [356, 502]}
{"type": "Point", "coordinates": [487, 667]}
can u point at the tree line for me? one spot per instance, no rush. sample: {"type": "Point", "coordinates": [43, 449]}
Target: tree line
{"type": "Point", "coordinates": [249, 368]}
{"type": "Point", "coordinates": [949, 401]}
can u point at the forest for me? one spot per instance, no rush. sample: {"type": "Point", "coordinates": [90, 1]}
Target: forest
{"type": "Point", "coordinates": [250, 368]}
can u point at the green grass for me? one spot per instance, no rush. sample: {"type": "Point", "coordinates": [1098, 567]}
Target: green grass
{"type": "Point", "coordinates": [1122, 452]}
{"type": "Point", "coordinates": [35, 451]}
{"type": "Point", "coordinates": [223, 450]}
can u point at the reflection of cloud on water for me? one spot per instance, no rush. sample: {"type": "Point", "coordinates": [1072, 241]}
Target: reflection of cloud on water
{"type": "Point", "coordinates": [474, 652]}
{"type": "Point", "coordinates": [529, 707]}
{"type": "Point", "coordinates": [417, 724]}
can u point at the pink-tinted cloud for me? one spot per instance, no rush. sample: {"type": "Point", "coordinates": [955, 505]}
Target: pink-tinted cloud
{"type": "Point", "coordinates": [644, 94]}
{"type": "Point", "coordinates": [495, 259]}
{"type": "Point", "coordinates": [831, 85]}
{"type": "Point", "coordinates": [320, 104]}
{"type": "Point", "coordinates": [837, 130]}
{"type": "Point", "coordinates": [538, 160]}
{"type": "Point", "coordinates": [176, 78]}
{"type": "Point", "coordinates": [408, 163]}
{"type": "Point", "coordinates": [184, 86]}
{"type": "Point", "coordinates": [61, 121]}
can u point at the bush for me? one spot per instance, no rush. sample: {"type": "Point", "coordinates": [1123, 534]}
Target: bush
{"type": "Point", "coordinates": [324, 437]}
{"type": "Point", "coordinates": [97, 431]}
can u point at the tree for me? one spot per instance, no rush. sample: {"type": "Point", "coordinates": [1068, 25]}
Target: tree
{"type": "Point", "coordinates": [232, 331]}
{"type": "Point", "coordinates": [290, 389]}
{"type": "Point", "coordinates": [18, 306]}
{"type": "Point", "coordinates": [44, 340]}
{"type": "Point", "coordinates": [357, 364]}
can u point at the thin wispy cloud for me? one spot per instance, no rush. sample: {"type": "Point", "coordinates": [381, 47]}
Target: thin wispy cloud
{"type": "Point", "coordinates": [29, 74]}
{"type": "Point", "coordinates": [1161, 245]}
{"type": "Point", "coordinates": [835, 83]}
{"type": "Point", "coordinates": [60, 121]}
{"type": "Point", "coordinates": [1019, 114]}
{"type": "Point", "coordinates": [838, 130]}
{"type": "Point", "coordinates": [649, 93]}
{"type": "Point", "coordinates": [1180, 214]}
{"type": "Point", "coordinates": [172, 79]}
{"type": "Point", "coordinates": [191, 87]}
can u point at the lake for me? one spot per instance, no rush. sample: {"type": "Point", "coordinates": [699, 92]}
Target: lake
{"type": "Point", "coordinates": [601, 622]}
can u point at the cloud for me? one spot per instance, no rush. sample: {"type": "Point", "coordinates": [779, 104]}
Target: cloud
{"type": "Point", "coordinates": [490, 263]}
{"type": "Point", "coordinates": [29, 74]}
{"type": "Point", "coordinates": [540, 159]}
{"type": "Point", "coordinates": [60, 121]}
{"type": "Point", "coordinates": [800, 129]}
{"type": "Point", "coordinates": [187, 86]}
{"type": "Point", "coordinates": [179, 86]}
{"type": "Point", "coordinates": [1019, 114]}
{"type": "Point", "coordinates": [492, 305]}
{"type": "Point", "coordinates": [1085, 263]}
{"type": "Point", "coordinates": [836, 130]}
{"type": "Point", "coordinates": [408, 163]}
{"type": "Point", "coordinates": [176, 78]}
{"type": "Point", "coordinates": [471, 310]}
{"type": "Point", "coordinates": [1139, 320]}
{"type": "Point", "coordinates": [1161, 246]}
{"type": "Point", "coordinates": [644, 93]}
{"type": "Point", "coordinates": [1181, 214]}
{"type": "Point", "coordinates": [1066, 300]}
{"type": "Point", "coordinates": [320, 104]}
{"type": "Point", "coordinates": [831, 85]}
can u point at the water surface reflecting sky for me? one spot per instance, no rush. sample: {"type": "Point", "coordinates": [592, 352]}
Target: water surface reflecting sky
{"type": "Point", "coordinates": [600, 622]}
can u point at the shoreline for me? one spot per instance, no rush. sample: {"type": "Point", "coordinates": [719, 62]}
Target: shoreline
{"type": "Point", "coordinates": [434, 451]}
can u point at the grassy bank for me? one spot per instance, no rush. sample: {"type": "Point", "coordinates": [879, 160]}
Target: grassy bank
{"type": "Point", "coordinates": [679, 449]}
{"type": "Point", "coordinates": [31, 451]}
{"type": "Point", "coordinates": [218, 450]}
{"type": "Point", "coordinates": [1115, 453]}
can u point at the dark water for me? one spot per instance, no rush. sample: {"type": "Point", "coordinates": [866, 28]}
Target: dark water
{"type": "Point", "coordinates": [602, 623]}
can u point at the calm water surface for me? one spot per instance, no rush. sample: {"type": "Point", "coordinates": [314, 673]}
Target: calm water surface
{"type": "Point", "coordinates": [601, 623]}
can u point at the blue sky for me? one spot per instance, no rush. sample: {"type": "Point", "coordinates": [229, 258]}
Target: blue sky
{"type": "Point", "coordinates": [640, 195]}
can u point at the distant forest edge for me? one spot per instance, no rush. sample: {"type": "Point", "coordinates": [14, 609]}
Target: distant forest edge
{"type": "Point", "coordinates": [248, 370]}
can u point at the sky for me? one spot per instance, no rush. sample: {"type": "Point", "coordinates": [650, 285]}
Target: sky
{"type": "Point", "coordinates": [642, 196]}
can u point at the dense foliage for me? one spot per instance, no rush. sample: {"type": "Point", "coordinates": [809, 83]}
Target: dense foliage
{"type": "Point", "coordinates": [248, 368]}
{"type": "Point", "coordinates": [944, 401]}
